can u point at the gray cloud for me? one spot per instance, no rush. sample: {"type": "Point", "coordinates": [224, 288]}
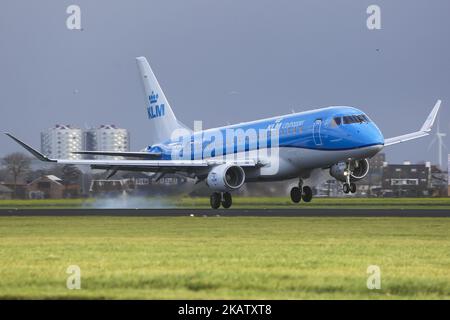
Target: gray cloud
{"type": "Point", "coordinates": [279, 56]}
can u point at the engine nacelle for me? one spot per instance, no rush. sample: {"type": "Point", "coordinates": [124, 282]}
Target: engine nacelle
{"type": "Point", "coordinates": [359, 169]}
{"type": "Point", "coordinates": [225, 177]}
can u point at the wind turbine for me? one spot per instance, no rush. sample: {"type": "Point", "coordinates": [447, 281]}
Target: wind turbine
{"type": "Point", "coordinates": [438, 138]}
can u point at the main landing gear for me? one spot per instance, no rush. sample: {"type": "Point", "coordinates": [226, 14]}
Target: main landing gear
{"type": "Point", "coordinates": [301, 193]}
{"type": "Point", "coordinates": [221, 198]}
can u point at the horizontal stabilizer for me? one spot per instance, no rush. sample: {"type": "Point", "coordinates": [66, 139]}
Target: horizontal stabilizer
{"type": "Point", "coordinates": [34, 152]}
{"type": "Point", "coordinates": [141, 155]}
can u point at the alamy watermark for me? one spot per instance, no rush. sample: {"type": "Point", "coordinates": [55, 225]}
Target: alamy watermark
{"type": "Point", "coordinates": [73, 21]}
{"type": "Point", "coordinates": [374, 279]}
{"type": "Point", "coordinates": [234, 144]}
{"type": "Point", "coordinates": [374, 20]}
{"type": "Point", "coordinates": [74, 279]}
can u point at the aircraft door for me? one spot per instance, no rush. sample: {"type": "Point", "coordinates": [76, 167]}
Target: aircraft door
{"type": "Point", "coordinates": [316, 132]}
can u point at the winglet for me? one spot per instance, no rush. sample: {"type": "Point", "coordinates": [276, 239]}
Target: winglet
{"type": "Point", "coordinates": [428, 124]}
{"type": "Point", "coordinates": [34, 152]}
{"type": "Point", "coordinates": [424, 131]}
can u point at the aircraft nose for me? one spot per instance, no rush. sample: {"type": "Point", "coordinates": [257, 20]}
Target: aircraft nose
{"type": "Point", "coordinates": [368, 135]}
{"type": "Point", "coordinates": [375, 136]}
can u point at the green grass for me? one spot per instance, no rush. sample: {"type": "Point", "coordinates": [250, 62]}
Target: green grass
{"type": "Point", "coordinates": [238, 202]}
{"type": "Point", "coordinates": [231, 258]}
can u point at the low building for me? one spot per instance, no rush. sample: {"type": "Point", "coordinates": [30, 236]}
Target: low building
{"type": "Point", "coordinates": [155, 184]}
{"type": "Point", "coordinates": [407, 180]}
{"type": "Point", "coordinates": [46, 187]}
{"type": "Point", "coordinates": [5, 193]}
{"type": "Point", "coordinates": [438, 182]}
{"type": "Point", "coordinates": [19, 190]}
{"type": "Point", "coordinates": [108, 188]}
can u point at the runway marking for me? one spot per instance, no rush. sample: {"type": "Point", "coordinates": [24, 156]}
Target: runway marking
{"type": "Point", "coordinates": [230, 212]}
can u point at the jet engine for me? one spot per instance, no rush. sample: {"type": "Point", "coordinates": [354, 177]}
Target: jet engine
{"type": "Point", "coordinates": [358, 170]}
{"type": "Point", "coordinates": [225, 177]}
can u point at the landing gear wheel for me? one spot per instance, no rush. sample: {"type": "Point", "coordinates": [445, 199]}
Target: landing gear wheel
{"type": "Point", "coordinates": [307, 194]}
{"type": "Point", "coordinates": [352, 187]}
{"type": "Point", "coordinates": [296, 194]}
{"type": "Point", "coordinates": [227, 200]}
{"type": "Point", "coordinates": [215, 200]}
{"type": "Point", "coordinates": [346, 188]}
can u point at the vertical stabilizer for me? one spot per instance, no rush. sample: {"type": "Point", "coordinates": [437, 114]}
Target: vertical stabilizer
{"type": "Point", "coordinates": [162, 119]}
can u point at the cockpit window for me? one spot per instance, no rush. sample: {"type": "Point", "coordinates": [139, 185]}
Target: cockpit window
{"type": "Point", "coordinates": [337, 121]}
{"type": "Point", "coordinates": [348, 119]}
{"type": "Point", "coordinates": [361, 118]}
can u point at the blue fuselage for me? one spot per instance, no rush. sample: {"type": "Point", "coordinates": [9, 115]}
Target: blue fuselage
{"type": "Point", "coordinates": [332, 129]}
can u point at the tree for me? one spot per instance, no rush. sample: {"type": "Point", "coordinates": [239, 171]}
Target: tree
{"type": "Point", "coordinates": [16, 164]}
{"type": "Point", "coordinates": [71, 174]}
{"type": "Point", "coordinates": [3, 175]}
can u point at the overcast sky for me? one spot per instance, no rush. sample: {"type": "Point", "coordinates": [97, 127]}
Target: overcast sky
{"type": "Point", "coordinates": [223, 62]}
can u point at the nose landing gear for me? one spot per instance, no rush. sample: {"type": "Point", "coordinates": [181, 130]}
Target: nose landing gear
{"type": "Point", "coordinates": [349, 187]}
{"type": "Point", "coordinates": [223, 198]}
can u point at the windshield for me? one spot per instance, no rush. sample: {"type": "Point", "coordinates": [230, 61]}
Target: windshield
{"type": "Point", "coordinates": [360, 118]}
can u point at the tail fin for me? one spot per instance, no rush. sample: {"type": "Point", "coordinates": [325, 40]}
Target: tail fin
{"type": "Point", "coordinates": [162, 119]}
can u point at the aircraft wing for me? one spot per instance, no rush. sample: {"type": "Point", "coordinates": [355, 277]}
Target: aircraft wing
{"type": "Point", "coordinates": [424, 130]}
{"type": "Point", "coordinates": [144, 165]}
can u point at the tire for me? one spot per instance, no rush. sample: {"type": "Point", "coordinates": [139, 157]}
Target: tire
{"type": "Point", "coordinates": [352, 187]}
{"type": "Point", "coordinates": [214, 200]}
{"type": "Point", "coordinates": [307, 194]}
{"type": "Point", "coordinates": [227, 200]}
{"type": "Point", "coordinates": [296, 195]}
{"type": "Point", "coordinates": [346, 188]}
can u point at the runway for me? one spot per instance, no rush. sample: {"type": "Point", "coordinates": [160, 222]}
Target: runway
{"type": "Point", "coordinates": [228, 212]}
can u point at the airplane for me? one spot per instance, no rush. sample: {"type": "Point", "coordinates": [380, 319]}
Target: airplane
{"type": "Point", "coordinates": [339, 139]}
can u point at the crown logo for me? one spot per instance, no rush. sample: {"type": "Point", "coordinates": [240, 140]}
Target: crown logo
{"type": "Point", "coordinates": [153, 97]}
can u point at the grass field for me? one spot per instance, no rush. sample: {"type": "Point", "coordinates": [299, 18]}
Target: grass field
{"type": "Point", "coordinates": [218, 257]}
{"type": "Point", "coordinates": [238, 202]}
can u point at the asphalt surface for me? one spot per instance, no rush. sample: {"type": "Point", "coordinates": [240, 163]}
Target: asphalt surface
{"type": "Point", "coordinates": [229, 212]}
